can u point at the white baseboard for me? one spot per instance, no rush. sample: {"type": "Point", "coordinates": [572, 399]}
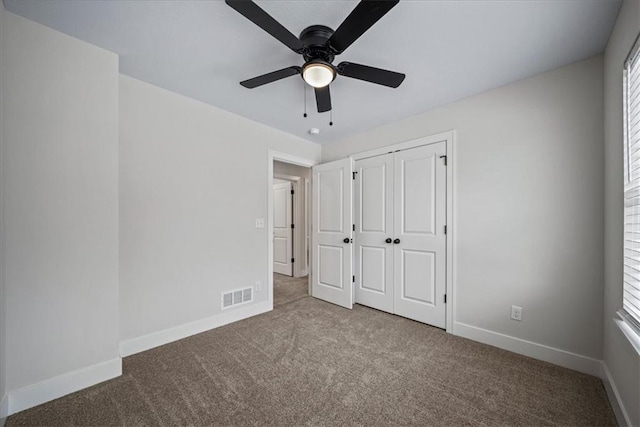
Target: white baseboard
{"type": "Point", "coordinates": [4, 409]}
{"type": "Point", "coordinates": [542, 352]}
{"type": "Point", "coordinates": [146, 342]}
{"type": "Point", "coordinates": [45, 391]}
{"type": "Point", "coordinates": [614, 397]}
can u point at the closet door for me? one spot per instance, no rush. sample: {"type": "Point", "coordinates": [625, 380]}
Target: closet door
{"type": "Point", "coordinates": [374, 232]}
{"type": "Point", "coordinates": [420, 242]}
{"type": "Point", "coordinates": [331, 254]}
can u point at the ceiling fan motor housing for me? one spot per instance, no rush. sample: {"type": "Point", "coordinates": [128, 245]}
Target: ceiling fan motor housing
{"type": "Point", "coordinates": [316, 43]}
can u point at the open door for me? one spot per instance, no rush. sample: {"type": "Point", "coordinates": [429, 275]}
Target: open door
{"type": "Point", "coordinates": [332, 239]}
{"type": "Point", "coordinates": [282, 229]}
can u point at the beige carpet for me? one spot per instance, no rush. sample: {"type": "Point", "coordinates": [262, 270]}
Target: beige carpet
{"type": "Point", "coordinates": [312, 363]}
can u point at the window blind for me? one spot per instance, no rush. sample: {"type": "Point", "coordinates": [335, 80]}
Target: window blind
{"type": "Point", "coordinates": [631, 285]}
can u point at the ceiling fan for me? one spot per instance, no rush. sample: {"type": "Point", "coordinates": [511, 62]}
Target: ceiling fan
{"type": "Point", "coordinates": [319, 45]}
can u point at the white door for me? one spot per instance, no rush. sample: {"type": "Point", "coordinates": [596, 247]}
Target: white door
{"type": "Point", "coordinates": [282, 231]}
{"type": "Point", "coordinates": [419, 221]}
{"type": "Point", "coordinates": [331, 254]}
{"type": "Point", "coordinates": [374, 235]}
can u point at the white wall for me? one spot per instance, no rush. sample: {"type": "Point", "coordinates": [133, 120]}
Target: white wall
{"type": "Point", "coordinates": [529, 222]}
{"type": "Point", "coordinates": [621, 360]}
{"type": "Point", "coordinates": [193, 180]}
{"type": "Point", "coordinates": [300, 247]}
{"type": "Point", "coordinates": [3, 346]}
{"type": "Point", "coordinates": [60, 201]}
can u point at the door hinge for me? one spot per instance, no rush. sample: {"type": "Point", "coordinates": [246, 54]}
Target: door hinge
{"type": "Point", "coordinates": [445, 298]}
{"type": "Point", "coordinates": [445, 229]}
{"type": "Point", "coordinates": [354, 279]}
{"type": "Point", "coordinates": [354, 174]}
{"type": "Point", "coordinates": [293, 260]}
{"type": "Point", "coordinates": [293, 226]}
{"type": "Point", "coordinates": [445, 159]}
{"type": "Point", "coordinates": [292, 192]}
{"type": "Point", "coordinates": [354, 227]}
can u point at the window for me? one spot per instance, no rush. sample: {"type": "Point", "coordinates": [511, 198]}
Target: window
{"type": "Point", "coordinates": [631, 287]}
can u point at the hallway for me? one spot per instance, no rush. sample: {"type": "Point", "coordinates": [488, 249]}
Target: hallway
{"type": "Point", "coordinates": [288, 289]}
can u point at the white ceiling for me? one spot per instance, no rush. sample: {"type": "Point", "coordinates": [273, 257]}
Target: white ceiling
{"type": "Point", "coordinates": [448, 50]}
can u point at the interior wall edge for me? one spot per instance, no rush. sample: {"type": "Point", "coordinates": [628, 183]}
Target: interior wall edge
{"type": "Point", "coordinates": [50, 389]}
{"type": "Point", "coordinates": [615, 399]}
{"type": "Point", "coordinates": [556, 356]}
{"type": "Point", "coordinates": [4, 409]}
{"type": "Point", "coordinates": [4, 402]}
{"type": "Point", "coordinates": [156, 339]}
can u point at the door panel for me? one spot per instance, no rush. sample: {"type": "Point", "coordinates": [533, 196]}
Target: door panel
{"type": "Point", "coordinates": [419, 220]}
{"type": "Point", "coordinates": [417, 271]}
{"type": "Point", "coordinates": [330, 199]}
{"type": "Point", "coordinates": [374, 193]}
{"type": "Point", "coordinates": [418, 193]}
{"type": "Point", "coordinates": [374, 224]}
{"type": "Point", "coordinates": [280, 250]}
{"type": "Point", "coordinates": [280, 195]}
{"type": "Point", "coordinates": [372, 277]}
{"type": "Point", "coordinates": [331, 257]}
{"type": "Point", "coordinates": [282, 232]}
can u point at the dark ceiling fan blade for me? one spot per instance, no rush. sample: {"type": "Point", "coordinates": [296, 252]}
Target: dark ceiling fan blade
{"type": "Point", "coordinates": [366, 13]}
{"type": "Point", "coordinates": [370, 74]}
{"type": "Point", "coordinates": [262, 19]}
{"type": "Point", "coordinates": [271, 77]}
{"type": "Point", "coordinates": [323, 99]}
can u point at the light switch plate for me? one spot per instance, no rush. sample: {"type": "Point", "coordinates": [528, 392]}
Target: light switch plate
{"type": "Point", "coordinates": [259, 222]}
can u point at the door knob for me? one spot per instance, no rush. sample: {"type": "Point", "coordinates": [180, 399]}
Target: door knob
{"type": "Point", "coordinates": [346, 240]}
{"type": "Point", "coordinates": [388, 240]}
{"type": "Point", "coordinates": [396, 241]}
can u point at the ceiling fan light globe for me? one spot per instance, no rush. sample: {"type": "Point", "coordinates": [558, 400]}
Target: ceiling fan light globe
{"type": "Point", "coordinates": [318, 75]}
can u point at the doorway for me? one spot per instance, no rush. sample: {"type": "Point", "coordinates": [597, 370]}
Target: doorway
{"type": "Point", "coordinates": [290, 224]}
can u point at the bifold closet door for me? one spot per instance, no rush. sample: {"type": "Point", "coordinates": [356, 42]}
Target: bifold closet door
{"type": "Point", "coordinates": [331, 254]}
{"type": "Point", "coordinates": [419, 221]}
{"type": "Point", "coordinates": [373, 209]}
{"type": "Point", "coordinates": [374, 232]}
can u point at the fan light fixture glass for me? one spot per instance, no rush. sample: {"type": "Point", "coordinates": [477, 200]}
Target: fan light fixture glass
{"type": "Point", "coordinates": [318, 74]}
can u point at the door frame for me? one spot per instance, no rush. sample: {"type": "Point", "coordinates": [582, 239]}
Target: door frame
{"type": "Point", "coordinates": [299, 267]}
{"type": "Point", "coordinates": [286, 158]}
{"type": "Point", "coordinates": [450, 138]}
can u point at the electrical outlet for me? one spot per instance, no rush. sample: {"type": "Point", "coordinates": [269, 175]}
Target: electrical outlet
{"type": "Point", "coordinates": [516, 313]}
{"type": "Point", "coordinates": [258, 285]}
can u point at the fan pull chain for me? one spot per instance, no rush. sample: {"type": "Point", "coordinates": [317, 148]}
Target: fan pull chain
{"type": "Point", "coordinates": [331, 117]}
{"type": "Point", "coordinates": [304, 89]}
